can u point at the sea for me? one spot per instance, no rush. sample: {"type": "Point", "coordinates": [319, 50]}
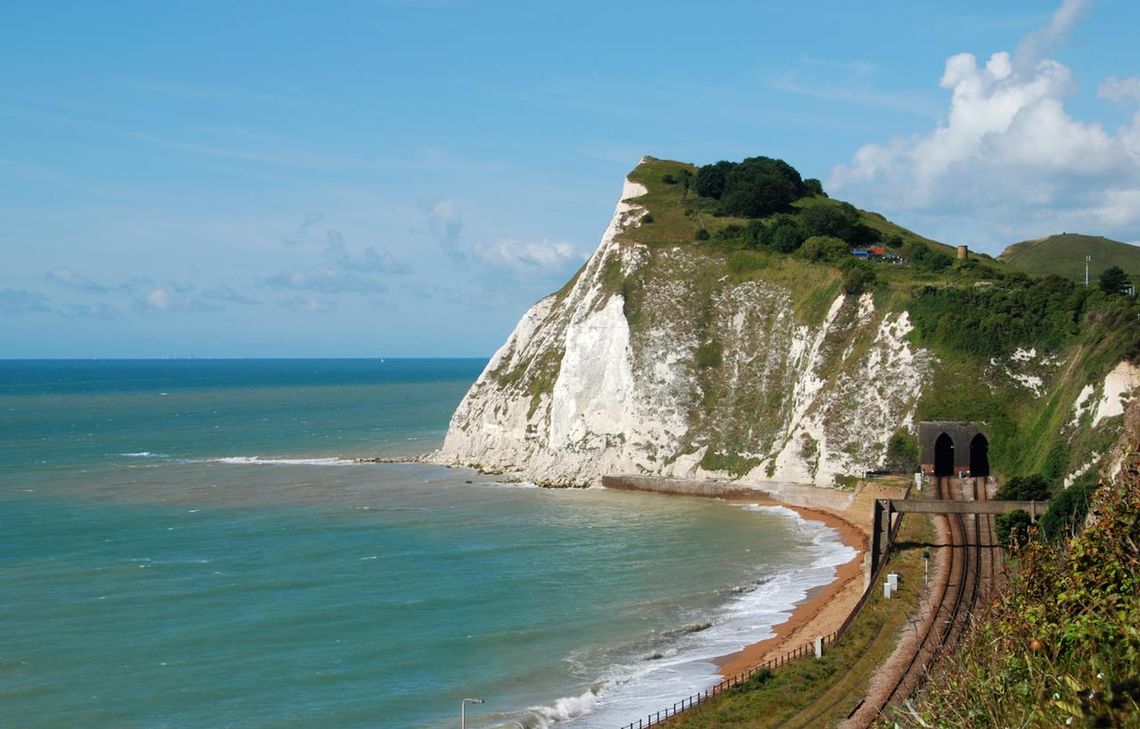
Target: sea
{"type": "Point", "coordinates": [192, 544]}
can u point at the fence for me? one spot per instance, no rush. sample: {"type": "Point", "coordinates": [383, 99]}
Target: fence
{"type": "Point", "coordinates": [782, 660]}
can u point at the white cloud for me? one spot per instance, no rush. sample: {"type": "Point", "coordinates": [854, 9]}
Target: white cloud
{"type": "Point", "coordinates": [527, 256]}
{"type": "Point", "coordinates": [17, 302]}
{"type": "Point", "coordinates": [369, 261]}
{"type": "Point", "coordinates": [325, 279]}
{"type": "Point", "coordinates": [1043, 41]}
{"type": "Point", "coordinates": [1008, 161]}
{"type": "Point", "coordinates": [1120, 90]}
{"type": "Point", "coordinates": [65, 277]}
{"type": "Point", "coordinates": [445, 218]}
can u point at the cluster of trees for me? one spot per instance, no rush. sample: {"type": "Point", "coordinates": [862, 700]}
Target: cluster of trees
{"type": "Point", "coordinates": [996, 320]}
{"type": "Point", "coordinates": [925, 258]}
{"type": "Point", "coordinates": [755, 187]}
{"type": "Point", "coordinates": [829, 227]}
{"type": "Point", "coordinates": [1066, 512]}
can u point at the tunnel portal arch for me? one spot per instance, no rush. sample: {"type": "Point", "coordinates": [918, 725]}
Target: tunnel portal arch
{"type": "Point", "coordinates": [944, 456]}
{"type": "Point", "coordinates": [979, 456]}
{"type": "Point", "coordinates": [951, 447]}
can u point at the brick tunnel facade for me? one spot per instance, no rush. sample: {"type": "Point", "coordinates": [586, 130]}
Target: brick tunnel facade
{"type": "Point", "coordinates": [948, 448]}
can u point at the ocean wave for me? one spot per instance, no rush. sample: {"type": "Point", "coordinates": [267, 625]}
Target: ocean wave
{"type": "Point", "coordinates": [267, 461]}
{"type": "Point", "coordinates": [144, 454]}
{"type": "Point", "coordinates": [562, 710]}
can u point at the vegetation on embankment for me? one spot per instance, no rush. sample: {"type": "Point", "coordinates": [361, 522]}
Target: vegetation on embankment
{"type": "Point", "coordinates": [1062, 648]}
{"type": "Point", "coordinates": [821, 692]}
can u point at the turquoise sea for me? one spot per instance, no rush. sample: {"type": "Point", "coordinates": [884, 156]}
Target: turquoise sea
{"type": "Point", "coordinates": [190, 544]}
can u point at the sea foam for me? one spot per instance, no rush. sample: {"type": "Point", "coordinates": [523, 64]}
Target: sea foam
{"type": "Point", "coordinates": [681, 661]}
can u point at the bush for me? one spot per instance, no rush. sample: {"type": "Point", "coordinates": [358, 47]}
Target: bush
{"type": "Point", "coordinates": [836, 221]}
{"type": "Point", "coordinates": [902, 452]}
{"type": "Point", "coordinates": [784, 234]}
{"type": "Point", "coordinates": [1067, 511]}
{"type": "Point", "coordinates": [858, 277]}
{"type": "Point", "coordinates": [1024, 488]}
{"type": "Point", "coordinates": [814, 187]}
{"type": "Point", "coordinates": [924, 258]}
{"type": "Point", "coordinates": [1012, 529]}
{"type": "Point", "coordinates": [730, 231]}
{"type": "Point", "coordinates": [710, 179]}
{"type": "Point", "coordinates": [702, 234]}
{"type": "Point", "coordinates": [669, 180]}
{"type": "Point", "coordinates": [894, 240]}
{"type": "Point", "coordinates": [824, 248]}
{"type": "Point", "coordinates": [1113, 280]}
{"type": "Point", "coordinates": [647, 218]}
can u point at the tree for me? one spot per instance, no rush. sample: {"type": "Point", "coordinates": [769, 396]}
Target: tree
{"type": "Point", "coordinates": [814, 187]}
{"type": "Point", "coordinates": [926, 259]}
{"type": "Point", "coordinates": [837, 221]}
{"type": "Point", "coordinates": [784, 234]}
{"type": "Point", "coordinates": [1024, 488]}
{"type": "Point", "coordinates": [1013, 528]}
{"type": "Point", "coordinates": [758, 197]}
{"type": "Point", "coordinates": [1113, 280]}
{"type": "Point", "coordinates": [711, 179]}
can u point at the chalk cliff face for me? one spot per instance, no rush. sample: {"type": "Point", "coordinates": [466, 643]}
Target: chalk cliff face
{"type": "Point", "coordinates": [656, 359]}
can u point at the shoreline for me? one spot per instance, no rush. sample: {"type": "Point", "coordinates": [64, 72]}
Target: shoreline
{"type": "Point", "coordinates": [825, 607]}
{"type": "Point", "coordinates": [822, 610]}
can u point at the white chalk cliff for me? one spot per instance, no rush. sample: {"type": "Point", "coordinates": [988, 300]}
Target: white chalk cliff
{"type": "Point", "coordinates": [655, 360]}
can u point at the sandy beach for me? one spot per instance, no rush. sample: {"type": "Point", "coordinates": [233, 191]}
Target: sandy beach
{"type": "Point", "coordinates": [821, 613]}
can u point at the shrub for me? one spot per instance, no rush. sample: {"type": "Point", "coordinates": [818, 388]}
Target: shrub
{"type": "Point", "coordinates": [702, 234]}
{"type": "Point", "coordinates": [647, 218]}
{"type": "Point", "coordinates": [1113, 280]}
{"type": "Point", "coordinates": [1012, 529]}
{"type": "Point", "coordinates": [858, 277]}
{"type": "Point", "coordinates": [902, 452]}
{"type": "Point", "coordinates": [669, 180]}
{"type": "Point", "coordinates": [1024, 488]}
{"type": "Point", "coordinates": [824, 248]}
{"type": "Point", "coordinates": [1067, 511]}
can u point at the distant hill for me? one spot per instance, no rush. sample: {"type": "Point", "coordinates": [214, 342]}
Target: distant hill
{"type": "Point", "coordinates": [1064, 255]}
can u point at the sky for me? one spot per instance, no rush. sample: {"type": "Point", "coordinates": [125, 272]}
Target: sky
{"type": "Point", "coordinates": [405, 178]}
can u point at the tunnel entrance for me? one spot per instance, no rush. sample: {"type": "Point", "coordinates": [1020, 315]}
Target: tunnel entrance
{"type": "Point", "coordinates": [979, 456]}
{"type": "Point", "coordinates": [944, 456]}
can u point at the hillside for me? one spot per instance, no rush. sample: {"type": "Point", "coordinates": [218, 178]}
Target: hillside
{"type": "Point", "coordinates": [1064, 255]}
{"type": "Point", "coordinates": [724, 329]}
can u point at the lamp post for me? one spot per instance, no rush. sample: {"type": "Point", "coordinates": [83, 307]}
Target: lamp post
{"type": "Point", "coordinates": [463, 711]}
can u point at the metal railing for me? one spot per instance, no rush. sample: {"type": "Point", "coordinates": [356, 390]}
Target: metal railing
{"type": "Point", "coordinates": [772, 664]}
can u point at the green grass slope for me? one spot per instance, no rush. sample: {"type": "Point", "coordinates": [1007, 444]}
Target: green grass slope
{"type": "Point", "coordinates": [1064, 255]}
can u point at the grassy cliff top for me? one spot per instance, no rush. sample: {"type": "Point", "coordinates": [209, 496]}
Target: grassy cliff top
{"type": "Point", "coordinates": [678, 215]}
{"type": "Point", "coordinates": [1064, 255]}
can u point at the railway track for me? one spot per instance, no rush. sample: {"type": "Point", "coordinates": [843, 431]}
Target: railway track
{"type": "Point", "coordinates": [974, 565]}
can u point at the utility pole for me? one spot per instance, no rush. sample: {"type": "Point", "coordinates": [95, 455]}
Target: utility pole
{"type": "Point", "coordinates": [1088, 259]}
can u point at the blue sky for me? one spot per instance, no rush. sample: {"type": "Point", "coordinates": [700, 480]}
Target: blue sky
{"type": "Point", "coordinates": [406, 178]}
